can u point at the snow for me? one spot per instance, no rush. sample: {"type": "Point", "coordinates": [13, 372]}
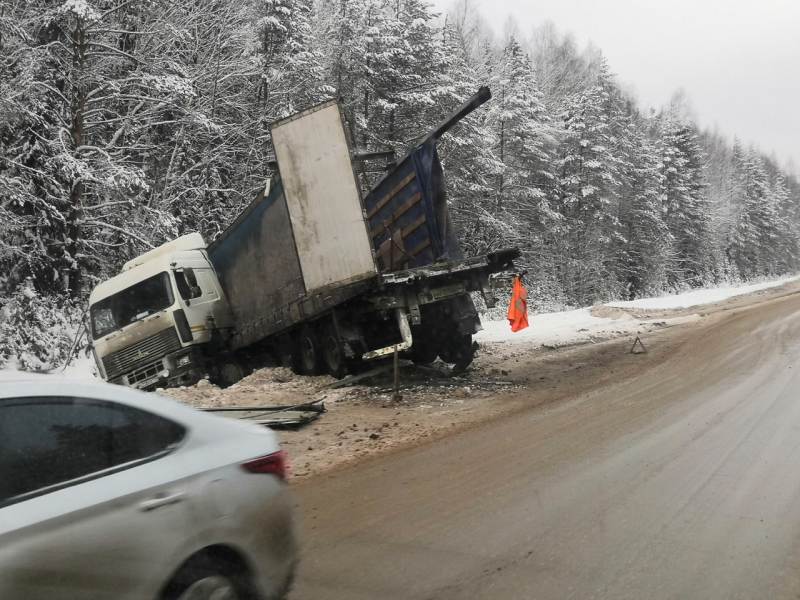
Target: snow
{"type": "Point", "coordinates": [580, 326]}
{"type": "Point", "coordinates": [81, 369]}
{"type": "Point", "coordinates": [558, 329]}
{"type": "Point", "coordinates": [81, 9]}
{"type": "Point", "coordinates": [171, 84]}
{"type": "Point", "coordinates": [702, 296]}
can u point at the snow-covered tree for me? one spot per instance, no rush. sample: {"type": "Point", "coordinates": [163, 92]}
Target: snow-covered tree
{"type": "Point", "coordinates": [646, 252]}
{"type": "Point", "coordinates": [71, 89]}
{"type": "Point", "coordinates": [757, 234]}
{"type": "Point", "coordinates": [686, 206]}
{"type": "Point", "coordinates": [587, 192]}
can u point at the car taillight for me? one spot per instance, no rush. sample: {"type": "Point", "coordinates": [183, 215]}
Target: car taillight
{"type": "Point", "coordinates": [271, 464]}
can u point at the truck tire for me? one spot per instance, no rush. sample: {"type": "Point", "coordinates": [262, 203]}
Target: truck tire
{"type": "Point", "coordinates": [424, 352]}
{"type": "Point", "coordinates": [310, 354]}
{"type": "Point", "coordinates": [333, 357]}
{"type": "Point", "coordinates": [230, 372]}
{"type": "Point", "coordinates": [287, 353]}
{"type": "Point", "coordinates": [459, 351]}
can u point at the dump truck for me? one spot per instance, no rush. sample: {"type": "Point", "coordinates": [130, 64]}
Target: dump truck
{"type": "Point", "coordinates": [310, 273]}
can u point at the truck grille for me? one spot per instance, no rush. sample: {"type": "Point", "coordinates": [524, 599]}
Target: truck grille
{"type": "Point", "coordinates": [141, 353]}
{"type": "Point", "coordinates": [144, 373]}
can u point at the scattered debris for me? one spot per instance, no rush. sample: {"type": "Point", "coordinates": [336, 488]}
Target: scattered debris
{"type": "Point", "coordinates": [366, 375]}
{"type": "Point", "coordinates": [270, 386]}
{"type": "Point", "coordinates": [275, 417]}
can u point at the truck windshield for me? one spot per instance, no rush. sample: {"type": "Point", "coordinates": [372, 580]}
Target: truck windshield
{"type": "Point", "coordinates": [134, 303]}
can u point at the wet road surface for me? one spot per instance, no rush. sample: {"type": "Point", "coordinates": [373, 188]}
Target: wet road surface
{"type": "Point", "coordinates": [682, 481]}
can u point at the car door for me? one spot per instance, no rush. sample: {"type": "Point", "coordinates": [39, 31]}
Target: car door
{"type": "Point", "coordinates": [92, 503]}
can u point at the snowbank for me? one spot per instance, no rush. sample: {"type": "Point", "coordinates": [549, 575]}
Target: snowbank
{"type": "Point", "coordinates": [559, 329]}
{"type": "Point", "coordinates": [81, 369]}
{"type": "Point", "coordinates": [578, 326]}
{"type": "Point", "coordinates": [703, 296]}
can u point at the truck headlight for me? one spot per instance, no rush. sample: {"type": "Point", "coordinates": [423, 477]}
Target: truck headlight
{"type": "Point", "coordinates": [183, 361]}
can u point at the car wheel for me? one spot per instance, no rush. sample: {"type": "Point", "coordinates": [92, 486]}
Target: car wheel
{"type": "Point", "coordinates": [206, 578]}
{"type": "Point", "coordinates": [211, 587]}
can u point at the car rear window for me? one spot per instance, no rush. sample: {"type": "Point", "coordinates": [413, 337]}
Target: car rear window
{"type": "Point", "coordinates": [47, 442]}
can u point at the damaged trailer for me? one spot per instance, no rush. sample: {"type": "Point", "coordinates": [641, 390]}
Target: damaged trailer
{"type": "Point", "coordinates": [314, 274]}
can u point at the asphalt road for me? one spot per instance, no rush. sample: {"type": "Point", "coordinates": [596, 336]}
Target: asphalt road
{"type": "Point", "coordinates": [682, 481]}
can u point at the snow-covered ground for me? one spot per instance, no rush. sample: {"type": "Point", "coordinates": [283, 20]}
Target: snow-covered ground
{"type": "Point", "coordinates": [559, 329]}
{"type": "Point", "coordinates": [81, 369]}
{"type": "Point", "coordinates": [703, 296]}
{"type": "Point", "coordinates": [577, 326]}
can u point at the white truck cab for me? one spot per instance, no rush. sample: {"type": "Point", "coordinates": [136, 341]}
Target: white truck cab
{"type": "Point", "coordinates": [152, 323]}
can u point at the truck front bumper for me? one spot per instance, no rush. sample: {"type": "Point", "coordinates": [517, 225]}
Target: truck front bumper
{"type": "Point", "coordinates": [178, 368]}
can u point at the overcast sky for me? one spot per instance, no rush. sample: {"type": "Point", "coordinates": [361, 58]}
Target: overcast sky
{"type": "Point", "coordinates": [738, 61]}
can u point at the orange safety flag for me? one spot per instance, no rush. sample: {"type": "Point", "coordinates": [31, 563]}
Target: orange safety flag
{"type": "Point", "coordinates": [518, 307]}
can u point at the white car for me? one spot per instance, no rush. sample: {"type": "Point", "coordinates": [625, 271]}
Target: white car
{"type": "Point", "coordinates": [107, 492]}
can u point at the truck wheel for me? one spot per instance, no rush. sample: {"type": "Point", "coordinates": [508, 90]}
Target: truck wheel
{"type": "Point", "coordinates": [423, 352]}
{"type": "Point", "coordinates": [229, 373]}
{"type": "Point", "coordinates": [287, 353]}
{"type": "Point", "coordinates": [310, 359]}
{"type": "Point", "coordinates": [333, 353]}
{"type": "Point", "coordinates": [459, 351]}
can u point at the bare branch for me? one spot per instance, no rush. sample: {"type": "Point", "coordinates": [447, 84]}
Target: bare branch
{"type": "Point", "coordinates": [119, 229]}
